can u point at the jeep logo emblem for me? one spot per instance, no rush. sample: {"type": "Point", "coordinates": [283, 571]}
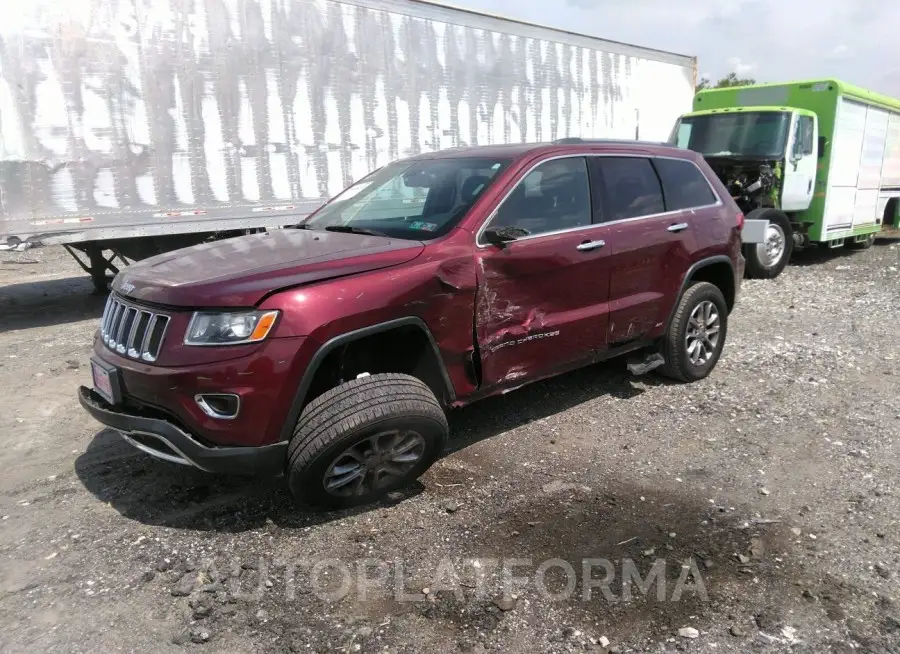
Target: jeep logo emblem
{"type": "Point", "coordinates": [127, 287]}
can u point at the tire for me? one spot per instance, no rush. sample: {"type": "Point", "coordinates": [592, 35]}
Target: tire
{"type": "Point", "coordinates": [679, 364]}
{"type": "Point", "coordinates": [340, 426]}
{"type": "Point", "coordinates": [861, 245]}
{"type": "Point", "coordinates": [757, 255]}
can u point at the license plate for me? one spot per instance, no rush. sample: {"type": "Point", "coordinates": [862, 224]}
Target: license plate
{"type": "Point", "coordinates": [102, 383]}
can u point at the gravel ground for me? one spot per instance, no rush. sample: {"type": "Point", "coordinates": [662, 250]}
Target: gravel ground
{"type": "Point", "coordinates": [766, 496]}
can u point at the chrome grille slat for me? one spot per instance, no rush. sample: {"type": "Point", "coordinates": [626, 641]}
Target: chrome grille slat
{"type": "Point", "coordinates": [112, 316]}
{"type": "Point", "coordinates": [105, 316]}
{"type": "Point", "coordinates": [131, 330]}
{"type": "Point", "coordinates": [128, 317]}
{"type": "Point", "coordinates": [104, 321]}
{"type": "Point", "coordinates": [104, 328]}
{"type": "Point", "coordinates": [120, 327]}
{"type": "Point", "coordinates": [151, 325]}
{"type": "Point", "coordinates": [152, 350]}
{"type": "Point", "coordinates": [135, 320]}
{"type": "Point", "coordinates": [113, 324]}
{"type": "Point", "coordinates": [137, 336]}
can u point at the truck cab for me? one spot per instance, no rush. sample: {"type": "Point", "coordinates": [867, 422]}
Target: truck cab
{"type": "Point", "coordinates": [809, 162]}
{"type": "Point", "coordinates": [767, 158]}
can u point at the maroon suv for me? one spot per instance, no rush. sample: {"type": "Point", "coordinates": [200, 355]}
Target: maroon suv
{"type": "Point", "coordinates": [329, 351]}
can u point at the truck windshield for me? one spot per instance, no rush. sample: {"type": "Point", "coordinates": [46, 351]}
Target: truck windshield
{"type": "Point", "coordinates": [416, 200]}
{"type": "Point", "coordinates": [761, 134]}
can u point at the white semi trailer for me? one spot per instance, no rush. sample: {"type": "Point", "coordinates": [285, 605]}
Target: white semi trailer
{"type": "Point", "coordinates": [133, 127]}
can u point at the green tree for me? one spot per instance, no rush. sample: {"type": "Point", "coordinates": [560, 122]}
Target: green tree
{"type": "Point", "coordinates": [729, 80]}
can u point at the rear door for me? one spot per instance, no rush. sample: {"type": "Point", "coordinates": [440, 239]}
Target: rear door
{"type": "Point", "coordinates": [653, 244]}
{"type": "Point", "coordinates": [542, 298]}
{"type": "Point", "coordinates": [687, 189]}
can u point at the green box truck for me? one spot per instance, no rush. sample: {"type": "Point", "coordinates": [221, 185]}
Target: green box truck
{"type": "Point", "coordinates": [814, 162]}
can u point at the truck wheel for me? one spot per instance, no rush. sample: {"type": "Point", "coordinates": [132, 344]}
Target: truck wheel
{"type": "Point", "coordinates": [863, 244]}
{"type": "Point", "coordinates": [696, 334]}
{"type": "Point", "coordinates": [364, 439]}
{"type": "Point", "coordinates": [767, 260]}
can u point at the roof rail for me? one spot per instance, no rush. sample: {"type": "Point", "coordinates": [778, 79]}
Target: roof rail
{"type": "Point", "coordinates": [571, 140]}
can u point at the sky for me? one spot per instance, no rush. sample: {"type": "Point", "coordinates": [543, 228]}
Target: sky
{"type": "Point", "coordinates": [855, 41]}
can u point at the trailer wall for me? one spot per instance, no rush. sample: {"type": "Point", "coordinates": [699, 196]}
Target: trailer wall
{"type": "Point", "coordinates": [126, 118]}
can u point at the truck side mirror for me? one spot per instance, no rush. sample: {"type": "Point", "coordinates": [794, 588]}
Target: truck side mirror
{"type": "Point", "coordinates": [823, 143]}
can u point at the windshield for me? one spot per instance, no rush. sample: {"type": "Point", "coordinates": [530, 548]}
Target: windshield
{"type": "Point", "coordinates": [415, 200]}
{"type": "Point", "coordinates": [761, 134]}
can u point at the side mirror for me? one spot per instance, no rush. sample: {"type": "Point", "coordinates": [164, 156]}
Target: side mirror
{"type": "Point", "coordinates": [500, 236]}
{"type": "Point", "coordinates": [823, 143]}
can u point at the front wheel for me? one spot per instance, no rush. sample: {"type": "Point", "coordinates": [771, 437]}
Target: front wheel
{"type": "Point", "coordinates": [696, 334]}
{"type": "Point", "coordinates": [363, 439]}
{"type": "Point", "coordinates": [766, 260]}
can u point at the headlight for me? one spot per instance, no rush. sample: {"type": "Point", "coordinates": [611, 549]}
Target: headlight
{"type": "Point", "coordinates": [229, 328]}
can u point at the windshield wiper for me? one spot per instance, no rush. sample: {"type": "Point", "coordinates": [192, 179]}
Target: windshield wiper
{"type": "Point", "coordinates": [350, 229]}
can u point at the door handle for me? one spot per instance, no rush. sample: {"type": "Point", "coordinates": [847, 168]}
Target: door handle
{"type": "Point", "coordinates": [590, 245]}
{"type": "Point", "coordinates": [677, 227]}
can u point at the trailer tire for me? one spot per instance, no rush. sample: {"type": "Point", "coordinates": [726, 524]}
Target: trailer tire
{"type": "Point", "coordinates": [865, 244]}
{"type": "Point", "coordinates": [363, 439]}
{"type": "Point", "coordinates": [767, 260]}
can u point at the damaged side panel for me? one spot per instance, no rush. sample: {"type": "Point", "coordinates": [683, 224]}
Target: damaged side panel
{"type": "Point", "coordinates": [450, 310]}
{"type": "Point", "coordinates": [440, 291]}
{"type": "Point", "coordinates": [541, 304]}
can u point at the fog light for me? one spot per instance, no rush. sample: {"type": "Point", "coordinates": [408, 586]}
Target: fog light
{"type": "Point", "coordinates": [223, 406]}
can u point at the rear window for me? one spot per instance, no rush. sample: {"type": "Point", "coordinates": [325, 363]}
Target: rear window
{"type": "Point", "coordinates": [684, 185]}
{"type": "Point", "coordinates": [631, 189]}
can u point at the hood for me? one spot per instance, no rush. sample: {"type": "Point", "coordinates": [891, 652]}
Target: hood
{"type": "Point", "coordinates": [239, 272]}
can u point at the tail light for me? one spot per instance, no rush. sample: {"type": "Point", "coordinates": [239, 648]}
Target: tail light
{"type": "Point", "coordinates": [740, 220]}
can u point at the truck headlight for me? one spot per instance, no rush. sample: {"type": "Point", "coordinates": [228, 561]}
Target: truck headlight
{"type": "Point", "coordinates": [229, 328]}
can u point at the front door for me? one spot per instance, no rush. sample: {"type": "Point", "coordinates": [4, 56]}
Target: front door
{"type": "Point", "coordinates": [799, 179]}
{"type": "Point", "coordinates": [542, 298]}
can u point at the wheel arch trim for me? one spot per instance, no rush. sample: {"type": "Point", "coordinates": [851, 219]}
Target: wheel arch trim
{"type": "Point", "coordinates": [689, 275]}
{"type": "Point", "coordinates": [335, 342]}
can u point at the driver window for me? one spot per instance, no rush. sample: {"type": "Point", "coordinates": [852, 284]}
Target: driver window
{"type": "Point", "coordinates": [805, 135]}
{"type": "Point", "coordinates": [552, 197]}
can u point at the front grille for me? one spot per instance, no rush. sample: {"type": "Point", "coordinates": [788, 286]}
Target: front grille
{"type": "Point", "coordinates": [135, 332]}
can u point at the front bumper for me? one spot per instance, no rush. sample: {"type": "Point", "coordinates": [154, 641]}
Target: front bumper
{"type": "Point", "coordinates": [164, 440]}
{"type": "Point", "coordinates": [265, 380]}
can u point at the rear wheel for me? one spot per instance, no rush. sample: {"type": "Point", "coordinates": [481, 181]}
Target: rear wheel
{"type": "Point", "coordinates": [766, 260]}
{"type": "Point", "coordinates": [364, 439]}
{"type": "Point", "coordinates": [696, 334]}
